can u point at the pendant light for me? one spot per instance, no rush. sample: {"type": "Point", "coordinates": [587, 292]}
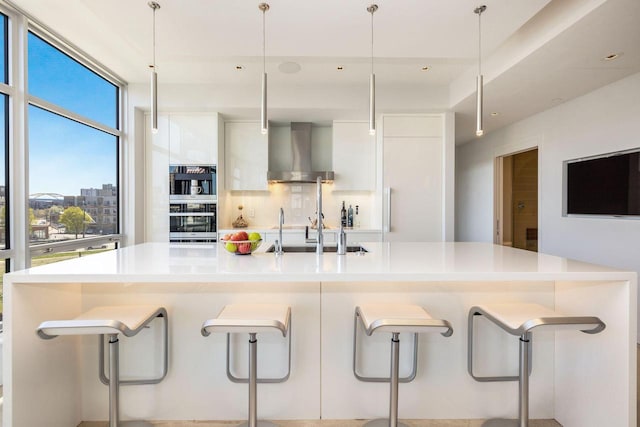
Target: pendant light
{"type": "Point", "coordinates": [264, 121]}
{"type": "Point", "coordinates": [372, 80]}
{"type": "Point", "coordinates": [154, 76]}
{"type": "Point", "coordinates": [479, 80]}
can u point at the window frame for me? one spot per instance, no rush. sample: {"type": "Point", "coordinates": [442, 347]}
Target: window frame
{"type": "Point", "coordinates": [8, 90]}
{"type": "Point", "coordinates": [19, 249]}
{"type": "Point", "coordinates": [68, 49]}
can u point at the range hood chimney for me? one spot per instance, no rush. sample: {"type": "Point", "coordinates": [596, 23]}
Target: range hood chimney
{"type": "Point", "coordinates": [301, 155]}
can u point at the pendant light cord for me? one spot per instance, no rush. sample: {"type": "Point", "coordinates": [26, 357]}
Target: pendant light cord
{"type": "Point", "coordinates": [155, 6]}
{"type": "Point", "coordinates": [154, 40]}
{"type": "Point", "coordinates": [480, 42]}
{"type": "Point", "coordinates": [264, 43]}
{"type": "Point", "coordinates": [372, 41]}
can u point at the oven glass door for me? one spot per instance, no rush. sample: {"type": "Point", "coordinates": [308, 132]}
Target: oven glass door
{"type": "Point", "coordinates": [192, 221]}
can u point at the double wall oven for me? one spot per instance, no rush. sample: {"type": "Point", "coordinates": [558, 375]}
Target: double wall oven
{"type": "Point", "coordinates": [192, 204]}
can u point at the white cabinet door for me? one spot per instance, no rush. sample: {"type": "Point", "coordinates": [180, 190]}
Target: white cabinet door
{"type": "Point", "coordinates": [413, 178]}
{"type": "Point", "coordinates": [246, 156]}
{"type": "Point", "coordinates": [354, 157]}
{"type": "Point", "coordinates": [412, 125]}
{"type": "Point", "coordinates": [193, 139]}
{"type": "Point", "coordinates": [157, 180]}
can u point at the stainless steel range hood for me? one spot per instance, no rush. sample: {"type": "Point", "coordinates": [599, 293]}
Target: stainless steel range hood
{"type": "Point", "coordinates": [301, 170]}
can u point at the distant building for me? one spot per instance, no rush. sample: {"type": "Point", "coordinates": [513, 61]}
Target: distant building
{"type": "Point", "coordinates": [102, 205]}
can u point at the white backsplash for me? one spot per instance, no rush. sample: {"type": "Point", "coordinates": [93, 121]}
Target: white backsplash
{"type": "Point", "coordinates": [261, 208]}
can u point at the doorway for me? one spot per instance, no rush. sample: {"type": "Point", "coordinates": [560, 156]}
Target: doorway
{"type": "Point", "coordinates": [516, 207]}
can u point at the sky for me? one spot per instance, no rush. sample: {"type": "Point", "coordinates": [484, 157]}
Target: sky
{"type": "Point", "coordinates": [65, 156]}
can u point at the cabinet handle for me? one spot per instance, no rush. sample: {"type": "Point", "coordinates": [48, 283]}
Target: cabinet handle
{"type": "Point", "coordinates": [387, 227]}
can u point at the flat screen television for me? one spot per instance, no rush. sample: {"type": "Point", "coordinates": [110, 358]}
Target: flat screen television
{"type": "Point", "coordinates": [607, 185]}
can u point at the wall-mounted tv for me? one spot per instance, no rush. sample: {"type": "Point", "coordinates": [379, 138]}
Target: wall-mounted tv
{"type": "Point", "coordinates": [607, 185]}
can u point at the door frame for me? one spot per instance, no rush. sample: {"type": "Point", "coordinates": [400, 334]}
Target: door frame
{"type": "Point", "coordinates": [498, 190]}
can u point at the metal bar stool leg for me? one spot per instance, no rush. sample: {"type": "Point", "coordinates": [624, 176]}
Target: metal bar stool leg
{"type": "Point", "coordinates": [253, 389]}
{"type": "Point", "coordinates": [114, 380]}
{"type": "Point", "coordinates": [395, 367]}
{"type": "Point", "coordinates": [252, 419]}
{"type": "Point", "coordinates": [523, 392]}
{"type": "Point", "coordinates": [394, 380]}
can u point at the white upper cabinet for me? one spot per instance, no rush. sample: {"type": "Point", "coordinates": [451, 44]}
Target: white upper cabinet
{"type": "Point", "coordinates": [193, 139]}
{"type": "Point", "coordinates": [354, 156]}
{"type": "Point", "coordinates": [246, 156]}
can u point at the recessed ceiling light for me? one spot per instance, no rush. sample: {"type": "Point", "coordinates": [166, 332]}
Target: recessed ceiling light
{"type": "Point", "coordinates": [425, 68]}
{"type": "Point", "coordinates": [239, 67]}
{"type": "Point", "coordinates": [495, 113]}
{"type": "Point", "coordinates": [289, 67]}
{"type": "Point", "coordinates": [340, 68]}
{"type": "Point", "coordinates": [612, 56]}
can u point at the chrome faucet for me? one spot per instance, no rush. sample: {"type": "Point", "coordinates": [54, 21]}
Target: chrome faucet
{"type": "Point", "coordinates": [278, 244]}
{"type": "Point", "coordinates": [319, 241]}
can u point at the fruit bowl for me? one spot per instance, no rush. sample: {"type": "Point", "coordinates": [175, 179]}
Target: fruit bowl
{"type": "Point", "coordinates": [241, 243]}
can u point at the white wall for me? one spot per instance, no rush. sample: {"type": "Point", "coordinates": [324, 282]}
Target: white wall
{"type": "Point", "coordinates": [602, 121]}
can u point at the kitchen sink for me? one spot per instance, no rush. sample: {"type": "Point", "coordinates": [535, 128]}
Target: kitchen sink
{"type": "Point", "coordinates": [312, 248]}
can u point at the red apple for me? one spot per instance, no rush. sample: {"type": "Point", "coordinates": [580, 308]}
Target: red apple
{"type": "Point", "coordinates": [226, 237]}
{"type": "Point", "coordinates": [240, 235]}
{"type": "Point", "coordinates": [244, 248]}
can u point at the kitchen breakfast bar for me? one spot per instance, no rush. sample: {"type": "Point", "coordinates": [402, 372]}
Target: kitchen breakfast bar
{"type": "Point", "coordinates": [580, 380]}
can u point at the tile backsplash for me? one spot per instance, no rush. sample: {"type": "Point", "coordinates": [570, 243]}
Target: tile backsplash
{"type": "Point", "coordinates": [260, 208]}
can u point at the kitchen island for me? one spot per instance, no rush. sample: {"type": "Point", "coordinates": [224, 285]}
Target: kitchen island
{"type": "Point", "coordinates": [580, 380]}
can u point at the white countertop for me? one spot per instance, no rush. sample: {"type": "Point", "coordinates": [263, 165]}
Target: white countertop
{"type": "Point", "coordinates": [396, 261]}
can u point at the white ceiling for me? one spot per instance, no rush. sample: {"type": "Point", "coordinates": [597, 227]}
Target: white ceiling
{"type": "Point", "coordinates": [536, 53]}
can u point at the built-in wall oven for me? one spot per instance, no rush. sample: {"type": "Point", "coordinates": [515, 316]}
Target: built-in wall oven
{"type": "Point", "coordinates": [192, 204]}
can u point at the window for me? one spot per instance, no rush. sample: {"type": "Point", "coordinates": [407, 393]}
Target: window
{"type": "Point", "coordinates": [4, 172]}
{"type": "Point", "coordinates": [73, 147]}
{"type": "Point", "coordinates": [61, 80]}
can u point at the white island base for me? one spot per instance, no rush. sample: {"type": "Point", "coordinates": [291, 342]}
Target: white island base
{"type": "Point", "coordinates": [579, 380]}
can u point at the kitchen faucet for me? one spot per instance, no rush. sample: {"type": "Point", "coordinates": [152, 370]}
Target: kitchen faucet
{"type": "Point", "coordinates": [278, 244]}
{"type": "Point", "coordinates": [319, 241]}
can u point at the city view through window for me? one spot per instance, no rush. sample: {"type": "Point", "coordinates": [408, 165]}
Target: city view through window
{"type": "Point", "coordinates": [73, 166]}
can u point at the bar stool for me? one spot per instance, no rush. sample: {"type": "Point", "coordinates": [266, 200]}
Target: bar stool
{"type": "Point", "coordinates": [395, 318]}
{"type": "Point", "coordinates": [252, 319]}
{"type": "Point", "coordinates": [111, 321]}
{"type": "Point", "coordinates": [520, 320]}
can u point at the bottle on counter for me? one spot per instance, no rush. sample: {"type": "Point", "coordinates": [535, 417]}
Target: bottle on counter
{"type": "Point", "coordinates": [343, 215]}
{"type": "Point", "coordinates": [350, 217]}
{"type": "Point", "coordinates": [356, 222]}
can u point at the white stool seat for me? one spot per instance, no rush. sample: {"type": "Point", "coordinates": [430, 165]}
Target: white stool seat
{"type": "Point", "coordinates": [399, 318]}
{"type": "Point", "coordinates": [126, 320]}
{"type": "Point", "coordinates": [250, 318]}
{"type": "Point", "coordinates": [517, 319]}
